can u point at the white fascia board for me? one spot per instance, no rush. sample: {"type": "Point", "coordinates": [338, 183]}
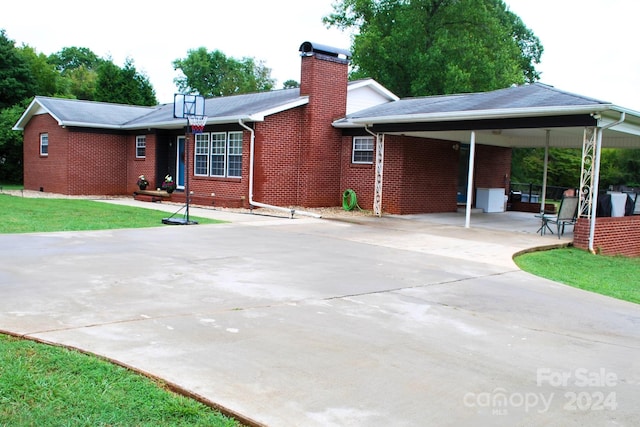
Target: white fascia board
{"type": "Point", "coordinates": [34, 108]}
{"type": "Point", "coordinates": [482, 114]}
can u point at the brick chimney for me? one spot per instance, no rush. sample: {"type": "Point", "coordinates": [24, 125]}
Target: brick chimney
{"type": "Point", "coordinates": [323, 78]}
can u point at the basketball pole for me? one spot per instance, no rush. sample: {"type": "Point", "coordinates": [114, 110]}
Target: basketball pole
{"type": "Point", "coordinates": [186, 171]}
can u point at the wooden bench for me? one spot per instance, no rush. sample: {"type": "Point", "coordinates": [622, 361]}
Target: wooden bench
{"type": "Point", "coordinates": [151, 195]}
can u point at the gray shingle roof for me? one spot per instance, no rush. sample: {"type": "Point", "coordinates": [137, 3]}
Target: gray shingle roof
{"type": "Point", "coordinates": [72, 112]}
{"type": "Point", "coordinates": [226, 106]}
{"type": "Point", "coordinates": [535, 95]}
{"type": "Point", "coordinates": [99, 113]}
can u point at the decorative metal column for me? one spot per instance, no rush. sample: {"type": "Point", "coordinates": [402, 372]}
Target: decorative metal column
{"type": "Point", "coordinates": [377, 197]}
{"type": "Point", "coordinates": [587, 171]}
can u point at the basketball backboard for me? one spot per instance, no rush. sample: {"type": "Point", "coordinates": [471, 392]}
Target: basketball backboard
{"type": "Point", "coordinates": [187, 105]}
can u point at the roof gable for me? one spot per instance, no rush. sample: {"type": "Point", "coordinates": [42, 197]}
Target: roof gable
{"type": "Point", "coordinates": [366, 93]}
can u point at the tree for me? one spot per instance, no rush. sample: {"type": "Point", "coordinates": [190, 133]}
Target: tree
{"type": "Point", "coordinates": [214, 74]}
{"type": "Point", "coordinates": [16, 79]}
{"type": "Point", "coordinates": [78, 69]}
{"type": "Point", "coordinates": [11, 155]}
{"type": "Point", "coordinates": [290, 84]}
{"type": "Point", "coordinates": [45, 74]}
{"type": "Point", "coordinates": [123, 85]}
{"type": "Point", "coordinates": [71, 58]}
{"type": "Point", "coordinates": [431, 47]}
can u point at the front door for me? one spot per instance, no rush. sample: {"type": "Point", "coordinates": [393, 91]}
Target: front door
{"type": "Point", "coordinates": [180, 166]}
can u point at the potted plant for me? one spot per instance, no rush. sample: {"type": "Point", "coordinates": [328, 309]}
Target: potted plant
{"type": "Point", "coordinates": [142, 182]}
{"type": "Point", "coordinates": [168, 185]}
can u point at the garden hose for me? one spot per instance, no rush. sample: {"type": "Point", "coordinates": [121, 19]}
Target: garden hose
{"type": "Point", "coordinates": [349, 200]}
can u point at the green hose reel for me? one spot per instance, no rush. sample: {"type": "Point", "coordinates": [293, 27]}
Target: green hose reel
{"type": "Point", "coordinates": [349, 200]}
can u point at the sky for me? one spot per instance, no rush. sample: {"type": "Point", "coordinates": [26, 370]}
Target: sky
{"type": "Point", "coordinates": [589, 45]}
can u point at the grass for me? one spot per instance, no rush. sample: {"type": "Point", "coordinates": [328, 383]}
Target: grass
{"type": "Point", "coordinates": [27, 215]}
{"type": "Point", "coordinates": [42, 385]}
{"type": "Point", "coordinates": [616, 276]}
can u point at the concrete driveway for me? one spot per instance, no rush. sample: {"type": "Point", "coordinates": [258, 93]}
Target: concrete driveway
{"type": "Point", "coordinates": [313, 322]}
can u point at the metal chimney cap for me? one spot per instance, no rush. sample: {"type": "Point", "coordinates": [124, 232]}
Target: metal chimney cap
{"type": "Point", "coordinates": [309, 48]}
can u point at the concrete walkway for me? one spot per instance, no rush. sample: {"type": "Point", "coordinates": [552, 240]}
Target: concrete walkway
{"type": "Point", "coordinates": [316, 322]}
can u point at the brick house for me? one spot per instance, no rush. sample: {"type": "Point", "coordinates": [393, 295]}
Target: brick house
{"type": "Point", "coordinates": [303, 146]}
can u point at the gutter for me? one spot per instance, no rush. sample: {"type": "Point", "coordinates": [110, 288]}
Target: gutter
{"type": "Point", "coordinates": [252, 202]}
{"type": "Point", "coordinates": [596, 178]}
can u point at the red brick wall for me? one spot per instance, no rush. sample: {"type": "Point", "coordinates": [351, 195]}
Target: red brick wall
{"type": "Point", "coordinates": [79, 162]}
{"type": "Point", "coordinates": [493, 167]}
{"type": "Point", "coordinates": [47, 172]}
{"type": "Point", "coordinates": [97, 163]}
{"type": "Point", "coordinates": [277, 159]}
{"type": "Point", "coordinates": [136, 167]}
{"type": "Point", "coordinates": [357, 177]}
{"type": "Point", "coordinates": [324, 80]}
{"type": "Point", "coordinates": [419, 176]}
{"type": "Point", "coordinates": [613, 235]}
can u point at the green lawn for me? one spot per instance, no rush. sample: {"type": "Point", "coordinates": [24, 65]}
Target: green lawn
{"type": "Point", "coordinates": [27, 215]}
{"type": "Point", "coordinates": [42, 385]}
{"type": "Point", "coordinates": [613, 276]}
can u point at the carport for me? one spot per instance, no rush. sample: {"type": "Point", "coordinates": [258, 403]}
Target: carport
{"type": "Point", "coordinates": [528, 116]}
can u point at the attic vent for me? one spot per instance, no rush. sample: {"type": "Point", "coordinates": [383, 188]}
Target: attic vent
{"type": "Point", "coordinates": [309, 49]}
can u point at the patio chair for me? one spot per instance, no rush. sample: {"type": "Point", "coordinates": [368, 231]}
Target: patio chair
{"type": "Point", "coordinates": [567, 214]}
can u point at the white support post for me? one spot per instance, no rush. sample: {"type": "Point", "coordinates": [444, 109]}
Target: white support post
{"type": "Point", "coordinates": [594, 189]}
{"type": "Point", "coordinates": [377, 197]}
{"type": "Point", "coordinates": [472, 159]}
{"type": "Point", "coordinates": [586, 172]}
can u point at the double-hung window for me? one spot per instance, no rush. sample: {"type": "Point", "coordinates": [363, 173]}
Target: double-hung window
{"type": "Point", "coordinates": [44, 144]}
{"type": "Point", "coordinates": [141, 146]}
{"type": "Point", "coordinates": [362, 150]}
{"type": "Point", "coordinates": [202, 154]}
{"type": "Point", "coordinates": [234, 155]}
{"type": "Point", "coordinates": [218, 154]}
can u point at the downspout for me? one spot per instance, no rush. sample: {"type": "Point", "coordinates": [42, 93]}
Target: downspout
{"type": "Point", "coordinates": [252, 202]}
{"type": "Point", "coordinates": [596, 180]}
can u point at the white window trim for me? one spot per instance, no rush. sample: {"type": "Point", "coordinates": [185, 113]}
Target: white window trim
{"type": "Point", "coordinates": [141, 142]}
{"type": "Point", "coordinates": [196, 137]}
{"type": "Point", "coordinates": [225, 155]}
{"type": "Point", "coordinates": [353, 150]}
{"type": "Point", "coordinates": [43, 137]}
{"type": "Point", "coordinates": [228, 154]}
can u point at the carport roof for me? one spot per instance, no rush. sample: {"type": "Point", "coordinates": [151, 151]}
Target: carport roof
{"type": "Point", "coordinates": [517, 116]}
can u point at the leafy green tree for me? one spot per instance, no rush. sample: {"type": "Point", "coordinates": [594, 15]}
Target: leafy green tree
{"type": "Point", "coordinates": [563, 169]}
{"type": "Point", "coordinates": [78, 68]}
{"type": "Point", "coordinates": [123, 85]}
{"type": "Point", "coordinates": [71, 58]}
{"type": "Point", "coordinates": [620, 167]}
{"type": "Point", "coordinates": [45, 74]}
{"type": "Point", "coordinates": [290, 84]}
{"type": "Point", "coordinates": [16, 79]}
{"type": "Point", "coordinates": [430, 47]}
{"type": "Point", "coordinates": [214, 74]}
{"type": "Point", "coordinates": [11, 155]}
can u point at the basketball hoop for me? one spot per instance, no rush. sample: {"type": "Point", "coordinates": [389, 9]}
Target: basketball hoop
{"type": "Point", "coordinates": [197, 123]}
